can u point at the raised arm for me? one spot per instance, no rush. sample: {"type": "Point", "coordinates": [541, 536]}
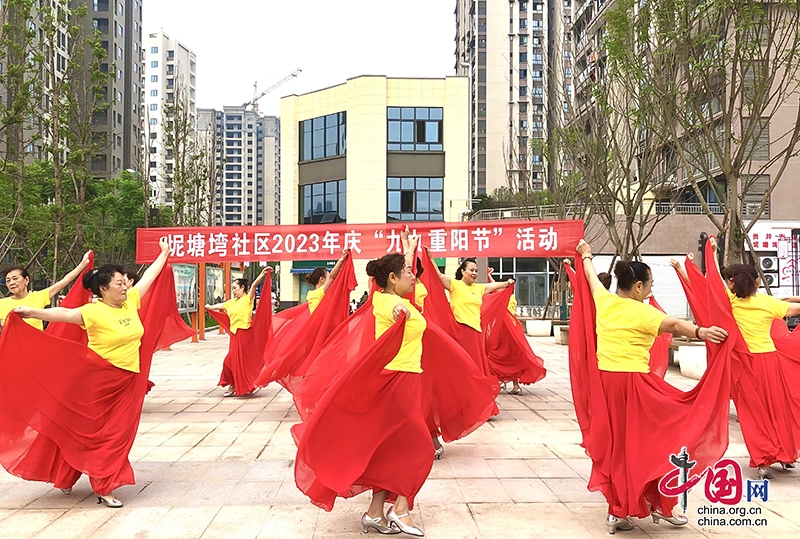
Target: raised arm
{"type": "Point", "coordinates": [678, 268]}
{"type": "Point", "coordinates": [687, 329]}
{"type": "Point", "coordinates": [489, 276]}
{"type": "Point", "coordinates": [257, 282]}
{"type": "Point", "coordinates": [445, 280]}
{"type": "Point", "coordinates": [794, 309]}
{"type": "Point", "coordinates": [69, 277]}
{"type": "Point", "coordinates": [55, 314]}
{"type": "Point", "coordinates": [155, 268]}
{"type": "Point", "coordinates": [588, 268]}
{"type": "Point", "coordinates": [335, 271]}
{"type": "Point", "coordinates": [409, 247]}
{"type": "Point", "coordinates": [215, 307]}
{"type": "Point", "coordinates": [491, 287]}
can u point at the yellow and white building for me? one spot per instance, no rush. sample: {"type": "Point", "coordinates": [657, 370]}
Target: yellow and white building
{"type": "Point", "coordinates": [373, 150]}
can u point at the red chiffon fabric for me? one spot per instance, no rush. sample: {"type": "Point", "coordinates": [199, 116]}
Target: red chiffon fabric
{"type": "Point", "coordinates": [66, 407]}
{"type": "Point", "coordinates": [763, 386]}
{"type": "Point", "coordinates": [367, 431]}
{"type": "Point", "coordinates": [659, 352]}
{"type": "Point", "coordinates": [76, 297]}
{"type": "Point", "coordinates": [457, 398]}
{"type": "Point", "coordinates": [245, 357]}
{"type": "Point", "coordinates": [300, 338]}
{"type": "Point", "coordinates": [632, 422]}
{"type": "Point", "coordinates": [508, 352]}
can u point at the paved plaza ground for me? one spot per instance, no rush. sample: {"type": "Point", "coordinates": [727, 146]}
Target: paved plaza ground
{"type": "Point", "coordinates": [210, 467]}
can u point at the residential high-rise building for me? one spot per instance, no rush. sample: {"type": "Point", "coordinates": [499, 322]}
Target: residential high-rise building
{"type": "Point", "coordinates": [502, 46]}
{"type": "Point", "coordinates": [170, 81]}
{"type": "Point", "coordinates": [248, 160]}
{"type": "Point", "coordinates": [118, 129]}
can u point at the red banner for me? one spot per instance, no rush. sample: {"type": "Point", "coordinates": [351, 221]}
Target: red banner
{"type": "Point", "coordinates": [535, 239]}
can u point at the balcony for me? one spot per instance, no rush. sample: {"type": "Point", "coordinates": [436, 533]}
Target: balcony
{"type": "Point", "coordinates": [686, 208]}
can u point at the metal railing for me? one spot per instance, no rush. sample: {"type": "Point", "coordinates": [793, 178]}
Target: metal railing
{"type": "Point", "coordinates": [686, 208]}
{"type": "Point", "coordinates": [528, 212]}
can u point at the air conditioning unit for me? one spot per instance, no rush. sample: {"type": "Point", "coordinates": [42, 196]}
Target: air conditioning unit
{"type": "Point", "coordinates": [771, 280]}
{"type": "Point", "coordinates": [768, 263]}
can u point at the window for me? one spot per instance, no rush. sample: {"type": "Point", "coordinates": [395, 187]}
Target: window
{"type": "Point", "coordinates": [523, 108]}
{"type": "Point", "coordinates": [323, 203]}
{"type": "Point", "coordinates": [323, 137]}
{"type": "Point", "coordinates": [415, 129]}
{"type": "Point", "coordinates": [153, 121]}
{"type": "Point", "coordinates": [538, 91]}
{"type": "Point", "coordinates": [523, 41]}
{"type": "Point", "coordinates": [523, 91]}
{"type": "Point", "coordinates": [759, 139]}
{"type": "Point", "coordinates": [523, 58]}
{"type": "Point", "coordinates": [754, 189]}
{"type": "Point", "coordinates": [154, 50]}
{"type": "Point", "coordinates": [523, 6]}
{"type": "Point", "coordinates": [536, 58]}
{"type": "Point", "coordinates": [523, 23]}
{"type": "Point", "coordinates": [153, 106]}
{"type": "Point", "coordinates": [535, 23]}
{"type": "Point", "coordinates": [154, 63]}
{"type": "Point", "coordinates": [523, 125]}
{"type": "Point", "coordinates": [153, 78]}
{"type": "Point", "coordinates": [153, 93]}
{"type": "Point", "coordinates": [567, 71]}
{"type": "Point", "coordinates": [536, 74]}
{"type": "Point", "coordinates": [523, 73]}
{"type": "Point", "coordinates": [414, 199]}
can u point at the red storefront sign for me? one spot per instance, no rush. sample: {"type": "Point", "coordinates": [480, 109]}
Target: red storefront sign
{"type": "Point", "coordinates": [314, 242]}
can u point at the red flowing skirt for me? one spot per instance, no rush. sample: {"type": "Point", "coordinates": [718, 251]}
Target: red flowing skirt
{"type": "Point", "coordinates": [472, 341]}
{"type": "Point", "coordinates": [767, 397]}
{"type": "Point", "coordinates": [509, 354]}
{"type": "Point", "coordinates": [457, 397]}
{"type": "Point", "coordinates": [298, 341]}
{"type": "Point", "coordinates": [367, 432]}
{"type": "Point", "coordinates": [64, 410]}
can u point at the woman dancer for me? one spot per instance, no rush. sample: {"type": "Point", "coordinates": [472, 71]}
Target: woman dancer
{"type": "Point", "coordinates": [371, 418]}
{"type": "Point", "coordinates": [240, 315]}
{"type": "Point", "coordinates": [510, 357]}
{"type": "Point", "coordinates": [95, 426]}
{"type": "Point", "coordinates": [321, 279]}
{"type": "Point", "coordinates": [631, 420]}
{"type": "Point", "coordinates": [17, 282]}
{"type": "Point", "coordinates": [466, 297]}
{"type": "Point", "coordinates": [767, 402]}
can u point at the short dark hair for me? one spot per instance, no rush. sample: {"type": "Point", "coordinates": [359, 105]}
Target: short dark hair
{"type": "Point", "coordinates": [22, 271]}
{"type": "Point", "coordinates": [131, 273]}
{"type": "Point", "coordinates": [314, 277]}
{"type": "Point", "coordinates": [605, 278]}
{"type": "Point", "coordinates": [744, 279]}
{"type": "Point", "coordinates": [463, 266]}
{"type": "Point", "coordinates": [244, 283]}
{"type": "Point", "coordinates": [630, 273]}
{"type": "Point", "coordinates": [381, 268]}
{"type": "Point", "coordinates": [101, 276]}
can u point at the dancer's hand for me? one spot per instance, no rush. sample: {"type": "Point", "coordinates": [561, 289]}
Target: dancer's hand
{"type": "Point", "coordinates": [674, 263]}
{"type": "Point", "coordinates": [690, 256]}
{"type": "Point", "coordinates": [584, 249]}
{"type": "Point", "coordinates": [713, 334]}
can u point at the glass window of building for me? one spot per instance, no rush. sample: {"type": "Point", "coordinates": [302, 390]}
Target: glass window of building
{"type": "Point", "coordinates": [323, 202]}
{"type": "Point", "coordinates": [415, 129]}
{"type": "Point", "coordinates": [414, 199]}
{"type": "Point", "coordinates": [325, 136]}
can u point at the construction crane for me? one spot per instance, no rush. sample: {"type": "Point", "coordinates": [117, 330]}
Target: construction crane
{"type": "Point", "coordinates": [258, 95]}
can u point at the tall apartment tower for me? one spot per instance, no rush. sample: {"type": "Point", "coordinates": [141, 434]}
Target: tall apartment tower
{"type": "Point", "coordinates": [503, 47]}
{"type": "Point", "coordinates": [248, 159]}
{"type": "Point", "coordinates": [119, 128]}
{"type": "Point", "coordinates": [171, 71]}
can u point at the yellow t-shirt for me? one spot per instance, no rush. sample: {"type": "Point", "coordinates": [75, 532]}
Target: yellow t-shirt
{"type": "Point", "coordinates": [314, 297]}
{"type": "Point", "coordinates": [465, 302]}
{"type": "Point", "coordinates": [420, 293]}
{"type": "Point", "coordinates": [626, 329]}
{"type": "Point", "coordinates": [36, 300]}
{"type": "Point", "coordinates": [239, 311]}
{"type": "Point", "coordinates": [409, 358]}
{"type": "Point", "coordinates": [115, 334]}
{"type": "Point", "coordinates": [754, 316]}
{"type": "Point", "coordinates": [512, 305]}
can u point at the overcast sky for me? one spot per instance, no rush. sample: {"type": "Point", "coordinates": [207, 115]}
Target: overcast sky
{"type": "Point", "coordinates": [240, 41]}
